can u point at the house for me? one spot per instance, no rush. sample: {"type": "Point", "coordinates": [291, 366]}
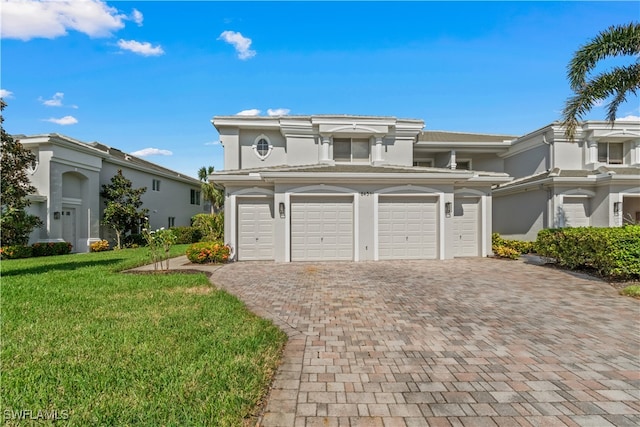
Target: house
{"type": "Point", "coordinates": [69, 175]}
{"type": "Point", "coordinates": [340, 187]}
{"type": "Point", "coordinates": [592, 181]}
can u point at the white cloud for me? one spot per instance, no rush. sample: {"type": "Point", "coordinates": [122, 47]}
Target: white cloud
{"type": "Point", "coordinates": [598, 103]}
{"type": "Point", "coordinates": [240, 43]}
{"type": "Point", "coordinates": [152, 152]}
{"type": "Point", "coordinates": [252, 112]}
{"type": "Point", "coordinates": [212, 143]}
{"type": "Point", "coordinates": [6, 93]}
{"type": "Point", "coordinates": [28, 19]}
{"type": "Point", "coordinates": [136, 16]}
{"type": "Point", "coordinates": [278, 112]}
{"type": "Point", "coordinates": [629, 118]}
{"type": "Point", "coordinates": [55, 101]}
{"type": "Point", "coordinates": [141, 48]}
{"type": "Point", "coordinates": [63, 121]}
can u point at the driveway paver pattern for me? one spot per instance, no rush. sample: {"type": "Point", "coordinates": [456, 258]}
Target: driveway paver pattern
{"type": "Point", "coordinates": [464, 342]}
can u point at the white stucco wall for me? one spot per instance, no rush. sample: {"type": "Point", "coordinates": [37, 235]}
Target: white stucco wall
{"type": "Point", "coordinates": [520, 215]}
{"type": "Point", "coordinates": [528, 162]}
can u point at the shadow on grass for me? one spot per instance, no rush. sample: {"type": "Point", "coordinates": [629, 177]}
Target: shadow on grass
{"type": "Point", "coordinates": [67, 266]}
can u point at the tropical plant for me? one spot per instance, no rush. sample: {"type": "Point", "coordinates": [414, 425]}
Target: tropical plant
{"type": "Point", "coordinates": [211, 227]}
{"type": "Point", "coordinates": [214, 195]}
{"type": "Point", "coordinates": [15, 223]}
{"type": "Point", "coordinates": [618, 82]}
{"type": "Point", "coordinates": [123, 202]}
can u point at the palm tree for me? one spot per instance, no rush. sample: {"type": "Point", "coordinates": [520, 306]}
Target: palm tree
{"type": "Point", "coordinates": [210, 192]}
{"type": "Point", "coordinates": [617, 82]}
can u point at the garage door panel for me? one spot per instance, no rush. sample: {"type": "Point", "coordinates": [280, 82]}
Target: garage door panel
{"type": "Point", "coordinates": [576, 211]}
{"type": "Point", "coordinates": [466, 227]}
{"type": "Point", "coordinates": [321, 228]}
{"type": "Point", "coordinates": [407, 227]}
{"type": "Point", "coordinates": [255, 230]}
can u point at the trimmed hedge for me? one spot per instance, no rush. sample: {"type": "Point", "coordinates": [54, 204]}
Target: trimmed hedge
{"type": "Point", "coordinates": [613, 253]}
{"type": "Point", "coordinates": [35, 250]}
{"type": "Point", "coordinates": [208, 252]}
{"type": "Point", "coordinates": [187, 235]}
{"type": "Point", "coordinates": [505, 248]}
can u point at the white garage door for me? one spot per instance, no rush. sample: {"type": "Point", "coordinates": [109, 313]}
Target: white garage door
{"type": "Point", "coordinates": [576, 211]}
{"type": "Point", "coordinates": [255, 230]}
{"type": "Point", "coordinates": [465, 227]}
{"type": "Point", "coordinates": [407, 228]}
{"type": "Point", "coordinates": [321, 228]}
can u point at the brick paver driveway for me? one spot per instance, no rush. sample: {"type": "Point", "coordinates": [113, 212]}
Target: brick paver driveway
{"type": "Point", "coordinates": [471, 342]}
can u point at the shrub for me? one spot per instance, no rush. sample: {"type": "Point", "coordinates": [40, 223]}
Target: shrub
{"type": "Point", "coordinates": [15, 252]}
{"type": "Point", "coordinates": [134, 241]}
{"type": "Point", "coordinates": [187, 235]}
{"type": "Point", "coordinates": [211, 226]}
{"type": "Point", "coordinates": [613, 253]}
{"type": "Point", "coordinates": [207, 252]}
{"type": "Point", "coordinates": [505, 248]}
{"type": "Point", "coordinates": [100, 246]}
{"type": "Point", "coordinates": [51, 248]}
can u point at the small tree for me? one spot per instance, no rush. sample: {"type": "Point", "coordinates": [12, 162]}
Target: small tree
{"type": "Point", "coordinates": [15, 223]}
{"type": "Point", "coordinates": [123, 202]}
{"type": "Point", "coordinates": [210, 192]}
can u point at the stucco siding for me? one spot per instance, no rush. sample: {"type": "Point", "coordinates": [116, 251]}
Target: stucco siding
{"type": "Point", "coordinates": [488, 162]}
{"type": "Point", "coordinates": [248, 157]}
{"type": "Point", "coordinates": [529, 162]}
{"type": "Point", "coordinates": [569, 155]}
{"type": "Point", "coordinates": [520, 215]}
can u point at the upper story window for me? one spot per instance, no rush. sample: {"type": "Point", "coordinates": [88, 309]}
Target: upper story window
{"type": "Point", "coordinates": [195, 197]}
{"type": "Point", "coordinates": [611, 153]}
{"type": "Point", "coordinates": [262, 147]}
{"type": "Point", "coordinates": [155, 185]}
{"type": "Point", "coordinates": [351, 149]}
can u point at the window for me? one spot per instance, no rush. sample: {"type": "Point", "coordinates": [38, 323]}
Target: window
{"type": "Point", "coordinates": [351, 149]}
{"type": "Point", "coordinates": [262, 147]}
{"type": "Point", "coordinates": [610, 153]}
{"type": "Point", "coordinates": [195, 197]}
{"type": "Point", "coordinates": [155, 185]}
{"type": "Point", "coordinates": [171, 222]}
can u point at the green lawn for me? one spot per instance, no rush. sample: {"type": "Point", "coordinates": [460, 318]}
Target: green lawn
{"type": "Point", "coordinates": [124, 349]}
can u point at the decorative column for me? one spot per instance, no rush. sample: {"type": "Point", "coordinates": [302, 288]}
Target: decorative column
{"type": "Point", "coordinates": [377, 150]}
{"type": "Point", "coordinates": [324, 148]}
{"type": "Point", "coordinates": [635, 159]}
{"type": "Point", "coordinates": [592, 145]}
{"type": "Point", "coordinates": [452, 162]}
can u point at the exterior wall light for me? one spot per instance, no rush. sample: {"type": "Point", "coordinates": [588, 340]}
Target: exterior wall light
{"type": "Point", "coordinates": [617, 207]}
{"type": "Point", "coordinates": [56, 215]}
{"type": "Point", "coordinates": [447, 209]}
{"type": "Point", "coordinates": [281, 209]}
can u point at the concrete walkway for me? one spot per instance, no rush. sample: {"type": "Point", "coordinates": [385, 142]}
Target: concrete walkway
{"type": "Point", "coordinates": [465, 342]}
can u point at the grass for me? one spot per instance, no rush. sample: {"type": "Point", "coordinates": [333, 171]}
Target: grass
{"type": "Point", "coordinates": [122, 349]}
{"type": "Point", "coordinates": [631, 291]}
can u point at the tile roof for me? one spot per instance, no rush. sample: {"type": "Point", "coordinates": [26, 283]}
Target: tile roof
{"type": "Point", "coordinates": [443, 136]}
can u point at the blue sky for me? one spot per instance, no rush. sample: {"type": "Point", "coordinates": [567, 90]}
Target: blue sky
{"type": "Point", "coordinates": [147, 77]}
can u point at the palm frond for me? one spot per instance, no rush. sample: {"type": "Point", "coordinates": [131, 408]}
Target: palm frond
{"type": "Point", "coordinates": [614, 41]}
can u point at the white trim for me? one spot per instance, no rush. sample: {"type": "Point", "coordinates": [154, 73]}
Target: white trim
{"type": "Point", "coordinates": [577, 192]}
{"type": "Point", "coordinates": [255, 146]}
{"type": "Point", "coordinates": [468, 192]}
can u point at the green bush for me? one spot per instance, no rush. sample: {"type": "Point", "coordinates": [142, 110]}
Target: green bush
{"type": "Point", "coordinates": [505, 248]}
{"type": "Point", "coordinates": [15, 252]}
{"type": "Point", "coordinates": [211, 226]}
{"type": "Point", "coordinates": [51, 248]}
{"type": "Point", "coordinates": [613, 253]}
{"type": "Point", "coordinates": [187, 235]}
{"type": "Point", "coordinates": [207, 252]}
{"type": "Point", "coordinates": [134, 241]}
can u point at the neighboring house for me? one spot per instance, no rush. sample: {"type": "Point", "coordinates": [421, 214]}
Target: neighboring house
{"type": "Point", "coordinates": [594, 181]}
{"type": "Point", "coordinates": [69, 176]}
{"type": "Point", "coordinates": [345, 188]}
